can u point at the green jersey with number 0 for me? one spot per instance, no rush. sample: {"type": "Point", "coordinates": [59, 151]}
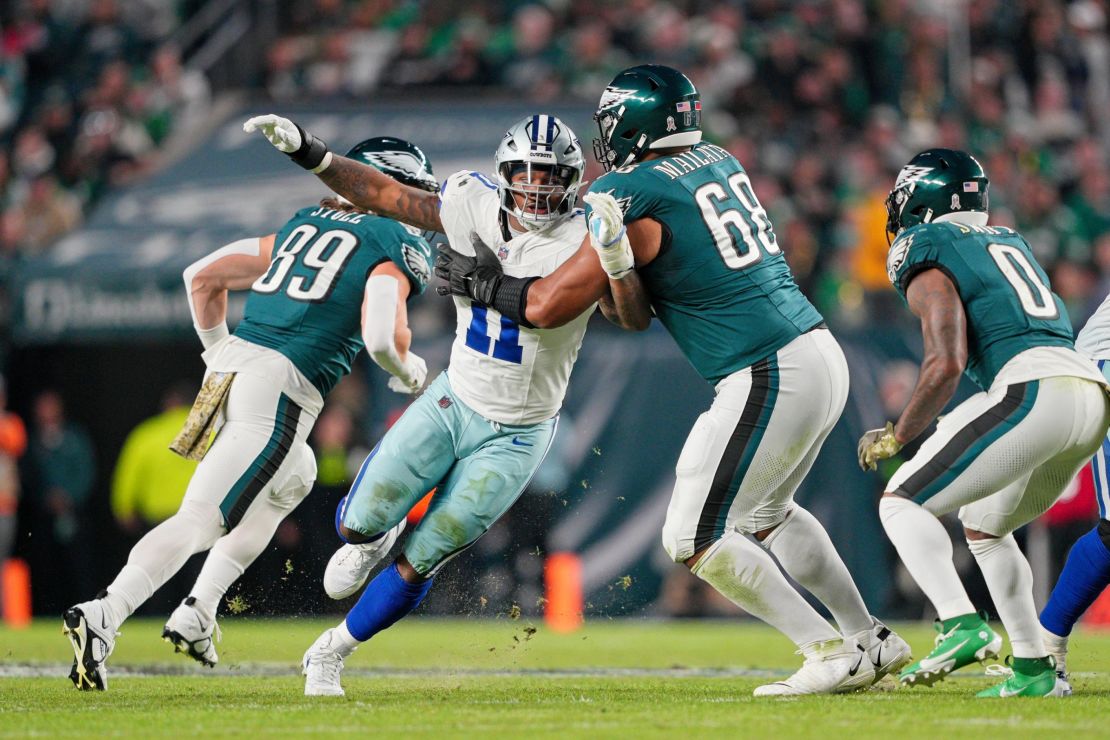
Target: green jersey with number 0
{"type": "Point", "coordinates": [1006, 296]}
{"type": "Point", "coordinates": [308, 305]}
{"type": "Point", "coordinates": [720, 283]}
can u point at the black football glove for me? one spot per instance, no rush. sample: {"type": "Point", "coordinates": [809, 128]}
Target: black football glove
{"type": "Point", "coordinates": [477, 277]}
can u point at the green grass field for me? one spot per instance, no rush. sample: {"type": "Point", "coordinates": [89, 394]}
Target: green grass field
{"type": "Point", "coordinates": [483, 677]}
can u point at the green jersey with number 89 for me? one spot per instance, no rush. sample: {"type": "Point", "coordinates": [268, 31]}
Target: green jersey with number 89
{"type": "Point", "coordinates": [1006, 296]}
{"type": "Point", "coordinates": [308, 305]}
{"type": "Point", "coordinates": [719, 283]}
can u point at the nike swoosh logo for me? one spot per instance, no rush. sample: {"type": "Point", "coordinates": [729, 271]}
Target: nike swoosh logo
{"type": "Point", "coordinates": [1004, 694]}
{"type": "Point", "coordinates": [938, 660]}
{"type": "Point", "coordinates": [878, 660]}
{"type": "Point", "coordinates": [517, 441]}
{"type": "Point", "coordinates": [855, 669]}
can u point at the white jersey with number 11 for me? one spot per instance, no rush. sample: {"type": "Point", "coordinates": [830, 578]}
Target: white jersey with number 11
{"type": "Point", "coordinates": [508, 373]}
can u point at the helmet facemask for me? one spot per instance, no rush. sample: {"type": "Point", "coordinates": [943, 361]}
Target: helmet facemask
{"type": "Point", "coordinates": [538, 195]}
{"type": "Point", "coordinates": [606, 121]}
{"type": "Point", "coordinates": [896, 200]}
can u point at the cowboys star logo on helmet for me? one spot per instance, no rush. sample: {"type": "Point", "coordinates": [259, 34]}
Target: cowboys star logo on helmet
{"type": "Point", "coordinates": [614, 95]}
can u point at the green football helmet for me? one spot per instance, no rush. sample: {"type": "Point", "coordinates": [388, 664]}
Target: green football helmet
{"type": "Point", "coordinates": [399, 159]}
{"type": "Point", "coordinates": [936, 182]}
{"type": "Point", "coordinates": [646, 107]}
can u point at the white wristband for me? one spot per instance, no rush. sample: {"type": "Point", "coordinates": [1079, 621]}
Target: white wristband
{"type": "Point", "coordinates": [324, 164]}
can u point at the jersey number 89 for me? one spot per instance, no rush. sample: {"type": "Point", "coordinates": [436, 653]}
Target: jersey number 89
{"type": "Point", "coordinates": [326, 257]}
{"type": "Point", "coordinates": [754, 228]}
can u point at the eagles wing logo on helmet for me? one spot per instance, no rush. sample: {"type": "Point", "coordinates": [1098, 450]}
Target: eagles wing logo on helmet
{"type": "Point", "coordinates": [614, 95]}
{"type": "Point", "coordinates": [397, 160]}
{"type": "Point", "coordinates": [911, 173]}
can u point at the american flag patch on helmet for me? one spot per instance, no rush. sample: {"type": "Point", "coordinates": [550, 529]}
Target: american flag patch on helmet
{"type": "Point", "coordinates": [971, 187]}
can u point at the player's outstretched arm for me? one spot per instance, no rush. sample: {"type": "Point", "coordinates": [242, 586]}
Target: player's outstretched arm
{"type": "Point", "coordinates": [233, 266]}
{"type": "Point", "coordinates": [933, 298]}
{"type": "Point", "coordinates": [385, 328]}
{"type": "Point", "coordinates": [363, 185]}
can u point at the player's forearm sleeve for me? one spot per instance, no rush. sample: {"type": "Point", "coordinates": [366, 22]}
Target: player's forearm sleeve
{"type": "Point", "coordinates": [244, 247]}
{"type": "Point", "coordinates": [511, 299]}
{"type": "Point", "coordinates": [379, 324]}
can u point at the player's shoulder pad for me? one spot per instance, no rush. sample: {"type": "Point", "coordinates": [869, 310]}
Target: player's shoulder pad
{"type": "Point", "coordinates": [612, 184]}
{"type": "Point", "coordinates": [417, 256]}
{"type": "Point", "coordinates": [916, 239]}
{"type": "Point", "coordinates": [464, 181]}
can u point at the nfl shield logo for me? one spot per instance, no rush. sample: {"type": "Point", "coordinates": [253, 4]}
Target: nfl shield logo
{"type": "Point", "coordinates": [503, 252]}
{"type": "Point", "coordinates": [445, 402]}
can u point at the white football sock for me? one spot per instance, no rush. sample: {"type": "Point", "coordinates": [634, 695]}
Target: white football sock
{"type": "Point", "coordinates": [806, 553]}
{"type": "Point", "coordinates": [343, 641]}
{"type": "Point", "coordinates": [234, 552]}
{"type": "Point", "coordinates": [926, 550]}
{"type": "Point", "coordinates": [1057, 646]}
{"type": "Point", "coordinates": [161, 553]}
{"type": "Point", "coordinates": [1010, 581]}
{"type": "Point", "coordinates": [745, 574]}
{"type": "Point", "coordinates": [216, 577]}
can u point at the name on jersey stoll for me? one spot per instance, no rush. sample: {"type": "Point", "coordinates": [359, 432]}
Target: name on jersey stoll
{"type": "Point", "coordinates": [334, 215]}
{"type": "Point", "coordinates": [684, 163]}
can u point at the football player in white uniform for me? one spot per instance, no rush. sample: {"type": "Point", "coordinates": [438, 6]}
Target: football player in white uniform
{"type": "Point", "coordinates": [1087, 571]}
{"type": "Point", "coordinates": [482, 428]}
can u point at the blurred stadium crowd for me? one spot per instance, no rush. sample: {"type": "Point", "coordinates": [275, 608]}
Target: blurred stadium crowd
{"type": "Point", "coordinates": [821, 100]}
{"type": "Point", "coordinates": [88, 93]}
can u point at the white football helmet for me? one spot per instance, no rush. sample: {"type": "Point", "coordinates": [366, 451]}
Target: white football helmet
{"type": "Point", "coordinates": [544, 145]}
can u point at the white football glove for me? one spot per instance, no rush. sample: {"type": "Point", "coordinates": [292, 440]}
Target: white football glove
{"type": "Point", "coordinates": [608, 236]}
{"type": "Point", "coordinates": [416, 371]}
{"type": "Point", "coordinates": [281, 132]}
{"type": "Point", "coordinates": [300, 146]}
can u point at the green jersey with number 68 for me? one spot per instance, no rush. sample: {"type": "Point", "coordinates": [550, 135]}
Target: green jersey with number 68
{"type": "Point", "coordinates": [308, 305]}
{"type": "Point", "coordinates": [719, 283]}
{"type": "Point", "coordinates": [1009, 305]}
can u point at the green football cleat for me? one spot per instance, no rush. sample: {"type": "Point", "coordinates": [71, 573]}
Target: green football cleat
{"type": "Point", "coordinates": [1027, 677]}
{"type": "Point", "coordinates": [962, 641]}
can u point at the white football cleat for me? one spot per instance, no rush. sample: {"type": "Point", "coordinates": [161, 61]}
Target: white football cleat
{"type": "Point", "coordinates": [887, 651]}
{"type": "Point", "coordinates": [92, 634]}
{"type": "Point", "coordinates": [836, 667]}
{"type": "Point", "coordinates": [321, 665]}
{"type": "Point", "coordinates": [350, 566]}
{"type": "Point", "coordinates": [192, 633]}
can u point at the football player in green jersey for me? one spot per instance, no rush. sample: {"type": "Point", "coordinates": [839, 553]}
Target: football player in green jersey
{"type": "Point", "coordinates": [1001, 457]}
{"type": "Point", "coordinates": [677, 216]}
{"type": "Point", "coordinates": [333, 280]}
